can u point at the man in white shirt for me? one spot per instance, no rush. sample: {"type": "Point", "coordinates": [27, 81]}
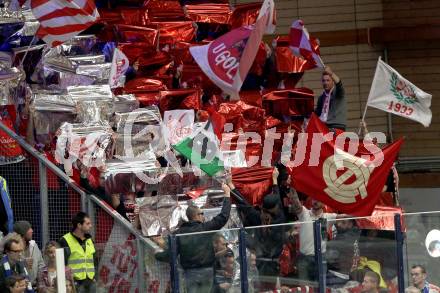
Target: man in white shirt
{"type": "Point", "coordinates": [306, 264]}
{"type": "Point", "coordinates": [306, 246]}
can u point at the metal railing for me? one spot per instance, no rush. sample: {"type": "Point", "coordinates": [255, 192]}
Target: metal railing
{"type": "Point", "coordinates": [44, 195]}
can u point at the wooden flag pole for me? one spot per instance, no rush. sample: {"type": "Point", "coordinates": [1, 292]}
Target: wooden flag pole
{"type": "Point", "coordinates": [363, 118]}
{"type": "Point", "coordinates": [366, 104]}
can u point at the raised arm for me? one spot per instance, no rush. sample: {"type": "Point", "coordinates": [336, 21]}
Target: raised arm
{"type": "Point", "coordinates": [333, 75]}
{"type": "Point", "coordinates": [221, 219]}
{"type": "Point", "coordinates": [275, 187]}
{"type": "Point", "coordinates": [296, 203]}
{"type": "Point", "coordinates": [339, 88]}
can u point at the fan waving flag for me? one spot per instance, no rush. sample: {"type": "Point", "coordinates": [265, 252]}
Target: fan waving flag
{"type": "Point", "coordinates": [61, 20]}
{"type": "Point", "coordinates": [228, 59]}
{"type": "Point", "coordinates": [302, 46]}
{"type": "Point", "coordinates": [392, 93]}
{"type": "Point", "coordinates": [349, 183]}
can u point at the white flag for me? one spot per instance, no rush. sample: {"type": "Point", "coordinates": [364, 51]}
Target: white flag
{"type": "Point", "coordinates": [179, 125]}
{"type": "Point", "coordinates": [119, 67]}
{"type": "Point", "coordinates": [392, 93]}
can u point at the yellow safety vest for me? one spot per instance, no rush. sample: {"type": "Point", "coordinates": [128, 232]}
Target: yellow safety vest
{"type": "Point", "coordinates": [80, 261]}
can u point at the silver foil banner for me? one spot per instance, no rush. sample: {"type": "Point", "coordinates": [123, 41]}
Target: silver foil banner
{"type": "Point", "coordinates": [55, 60]}
{"type": "Point", "coordinates": [125, 103]}
{"type": "Point", "coordinates": [129, 146]}
{"type": "Point", "coordinates": [87, 59]}
{"type": "Point", "coordinates": [10, 80]}
{"type": "Point", "coordinates": [121, 175]}
{"type": "Point", "coordinates": [99, 71]}
{"type": "Point", "coordinates": [94, 103]}
{"type": "Point", "coordinates": [67, 79]}
{"type": "Point", "coordinates": [58, 62]}
{"type": "Point", "coordinates": [30, 28]}
{"type": "Point", "coordinates": [90, 92]}
{"type": "Point", "coordinates": [92, 145]}
{"type": "Point", "coordinates": [137, 120]}
{"type": "Point", "coordinates": [161, 215]}
{"type": "Point", "coordinates": [94, 112]}
{"type": "Point", "coordinates": [79, 45]}
{"type": "Point", "coordinates": [53, 102]}
{"type": "Point", "coordinates": [8, 16]}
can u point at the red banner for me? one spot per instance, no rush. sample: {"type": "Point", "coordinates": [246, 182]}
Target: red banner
{"type": "Point", "coordinates": [350, 183]}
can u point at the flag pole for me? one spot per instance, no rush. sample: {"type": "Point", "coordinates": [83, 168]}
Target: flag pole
{"type": "Point", "coordinates": [363, 117]}
{"type": "Point", "coordinates": [236, 195]}
{"type": "Point", "coordinates": [366, 104]}
{"type": "Point", "coordinates": [28, 48]}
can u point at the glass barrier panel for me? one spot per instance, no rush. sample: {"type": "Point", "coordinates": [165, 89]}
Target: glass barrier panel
{"type": "Point", "coordinates": [360, 253]}
{"type": "Point", "coordinates": [284, 258]}
{"type": "Point", "coordinates": [209, 261]}
{"type": "Point", "coordinates": [422, 251]}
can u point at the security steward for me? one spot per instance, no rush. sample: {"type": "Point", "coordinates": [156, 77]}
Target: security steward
{"type": "Point", "coordinates": [79, 253]}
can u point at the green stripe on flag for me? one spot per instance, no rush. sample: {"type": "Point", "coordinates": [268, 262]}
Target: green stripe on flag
{"type": "Point", "coordinates": [211, 167]}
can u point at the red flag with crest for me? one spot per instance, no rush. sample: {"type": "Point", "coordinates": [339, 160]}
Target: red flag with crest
{"type": "Point", "coordinates": [350, 182]}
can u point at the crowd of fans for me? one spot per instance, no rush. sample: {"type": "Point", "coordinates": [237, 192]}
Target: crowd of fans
{"type": "Point", "coordinates": [280, 250]}
{"type": "Point", "coordinates": [283, 256]}
{"type": "Point", "coordinates": [25, 268]}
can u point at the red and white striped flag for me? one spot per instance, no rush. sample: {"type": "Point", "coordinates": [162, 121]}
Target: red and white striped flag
{"type": "Point", "coordinates": [301, 45]}
{"type": "Point", "coordinates": [61, 20]}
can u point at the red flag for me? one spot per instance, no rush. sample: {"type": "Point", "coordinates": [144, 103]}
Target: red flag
{"type": "Point", "coordinates": [253, 182]}
{"type": "Point", "coordinates": [349, 183]}
{"type": "Point", "coordinates": [301, 45]}
{"type": "Point", "coordinates": [61, 20]}
{"type": "Point", "coordinates": [218, 122]}
{"type": "Point", "coordinates": [293, 102]}
{"type": "Point", "coordinates": [179, 99]}
{"type": "Point", "coordinates": [382, 218]}
{"type": "Point", "coordinates": [227, 60]}
{"type": "Point", "coordinates": [286, 61]}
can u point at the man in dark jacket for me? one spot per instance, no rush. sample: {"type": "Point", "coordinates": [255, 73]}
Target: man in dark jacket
{"type": "Point", "coordinates": [196, 251]}
{"type": "Point", "coordinates": [332, 107]}
{"type": "Point", "coordinates": [267, 242]}
{"type": "Point", "coordinates": [341, 251]}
